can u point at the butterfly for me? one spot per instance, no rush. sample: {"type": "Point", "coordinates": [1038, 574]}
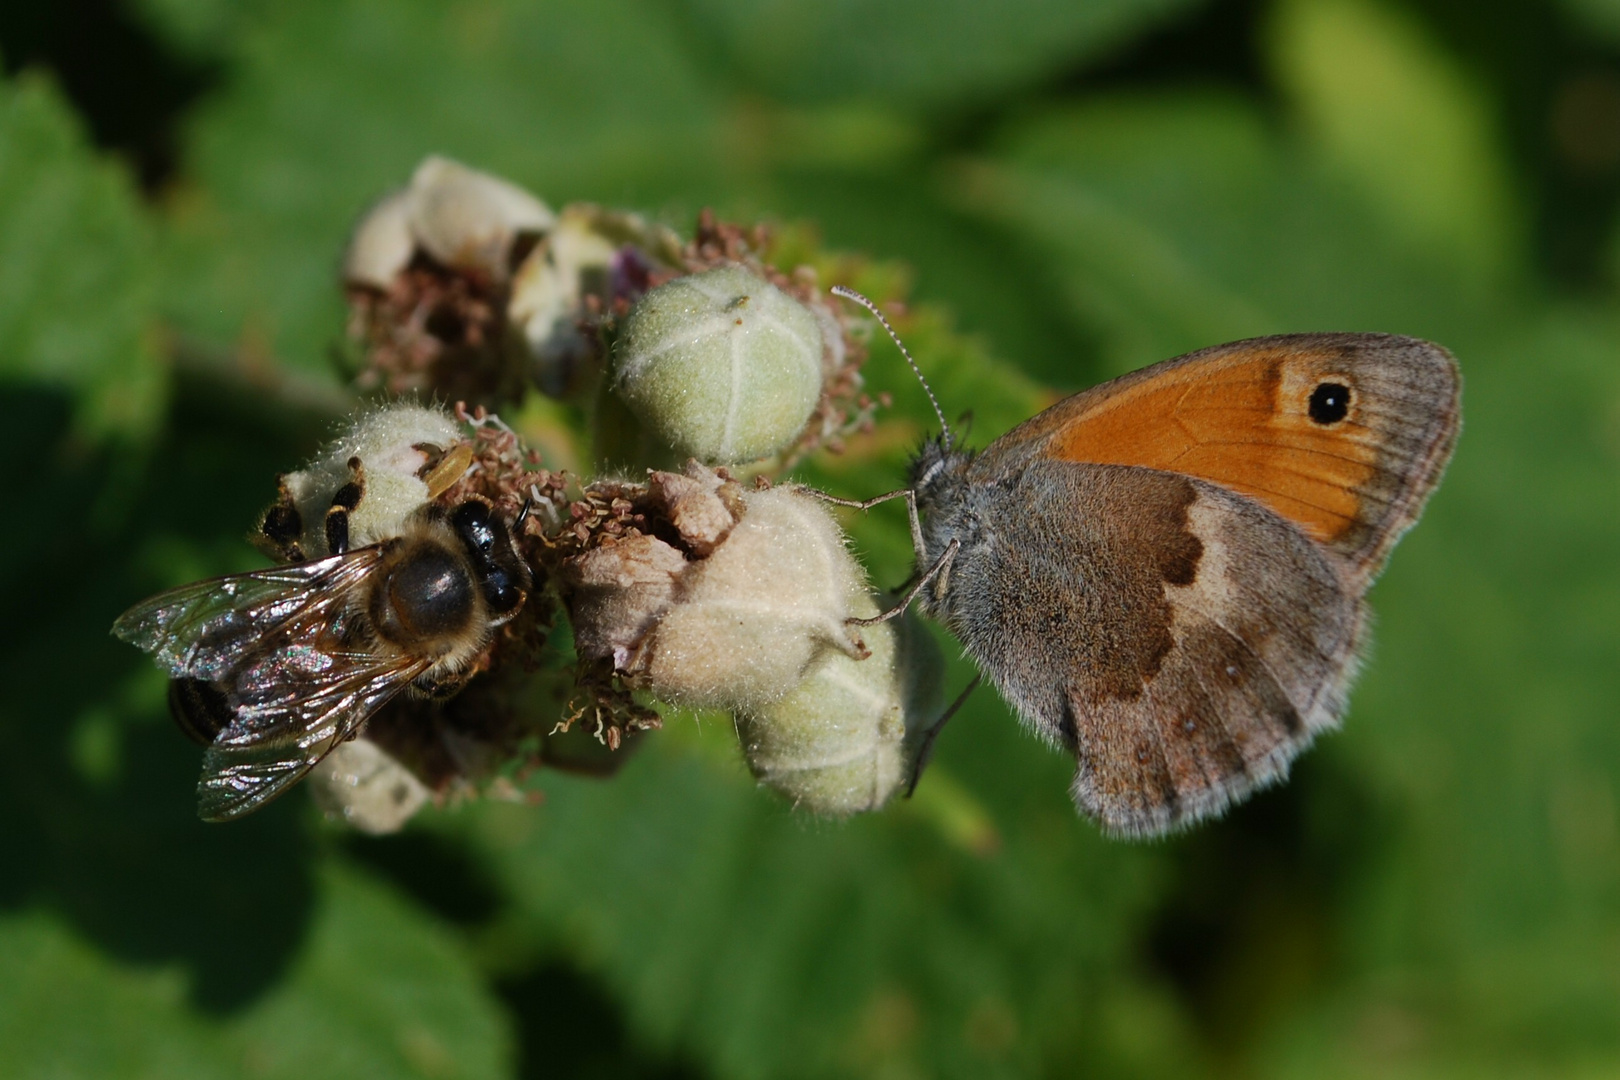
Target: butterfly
{"type": "Point", "coordinates": [1166, 574]}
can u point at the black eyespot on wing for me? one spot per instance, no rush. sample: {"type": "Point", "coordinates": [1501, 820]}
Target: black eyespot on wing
{"type": "Point", "coordinates": [1330, 403]}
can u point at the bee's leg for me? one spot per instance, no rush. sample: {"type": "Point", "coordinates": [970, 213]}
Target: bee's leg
{"type": "Point", "coordinates": [337, 515]}
{"type": "Point", "coordinates": [441, 687]}
{"type": "Point", "coordinates": [283, 526]}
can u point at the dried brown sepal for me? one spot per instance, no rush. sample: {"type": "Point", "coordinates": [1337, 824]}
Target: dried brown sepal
{"type": "Point", "coordinates": [606, 708]}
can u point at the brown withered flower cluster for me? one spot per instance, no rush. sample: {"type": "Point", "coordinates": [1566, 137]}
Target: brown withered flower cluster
{"type": "Point", "coordinates": [464, 287]}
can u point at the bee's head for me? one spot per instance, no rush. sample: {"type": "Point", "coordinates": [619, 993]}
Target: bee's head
{"type": "Point", "coordinates": [503, 575]}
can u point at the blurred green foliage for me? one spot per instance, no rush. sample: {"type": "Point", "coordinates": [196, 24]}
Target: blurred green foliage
{"type": "Point", "coordinates": [1081, 188]}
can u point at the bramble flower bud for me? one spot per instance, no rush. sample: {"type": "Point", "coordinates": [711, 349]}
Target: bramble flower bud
{"type": "Point", "coordinates": [852, 733]}
{"type": "Point", "coordinates": [708, 595]}
{"type": "Point", "coordinates": [382, 243]}
{"type": "Point", "coordinates": [391, 446]}
{"type": "Point", "coordinates": [365, 786]}
{"type": "Point", "coordinates": [746, 622]}
{"type": "Point", "coordinates": [620, 589]}
{"type": "Point", "coordinates": [722, 366]}
{"type": "Point", "coordinates": [471, 220]}
{"type": "Point", "coordinates": [573, 261]}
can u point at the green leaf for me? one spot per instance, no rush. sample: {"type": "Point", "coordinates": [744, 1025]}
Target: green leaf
{"type": "Point", "coordinates": [126, 1023]}
{"type": "Point", "coordinates": [333, 104]}
{"type": "Point", "coordinates": [378, 991]}
{"type": "Point", "coordinates": [919, 52]}
{"type": "Point", "coordinates": [1403, 122]}
{"type": "Point", "coordinates": [76, 292]}
{"type": "Point", "coordinates": [1599, 16]}
{"type": "Point", "coordinates": [742, 935]}
{"type": "Point", "coordinates": [201, 29]}
{"type": "Point", "coordinates": [1175, 222]}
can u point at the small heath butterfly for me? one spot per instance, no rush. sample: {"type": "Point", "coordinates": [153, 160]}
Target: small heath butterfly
{"type": "Point", "coordinates": [1165, 574]}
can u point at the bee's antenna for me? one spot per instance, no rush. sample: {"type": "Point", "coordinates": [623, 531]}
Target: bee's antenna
{"type": "Point", "coordinates": [523, 514]}
{"type": "Point", "coordinates": [850, 294]}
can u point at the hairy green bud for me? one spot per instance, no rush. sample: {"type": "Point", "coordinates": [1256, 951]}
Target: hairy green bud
{"type": "Point", "coordinates": [722, 366]}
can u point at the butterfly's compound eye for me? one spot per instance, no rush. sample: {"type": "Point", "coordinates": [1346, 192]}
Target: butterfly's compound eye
{"type": "Point", "coordinates": [852, 733]}
{"type": "Point", "coordinates": [722, 366]}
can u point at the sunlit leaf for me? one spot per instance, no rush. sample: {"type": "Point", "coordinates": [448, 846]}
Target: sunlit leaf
{"type": "Point", "coordinates": [378, 991]}
{"type": "Point", "coordinates": [1403, 122]}
{"type": "Point", "coordinates": [141, 1027]}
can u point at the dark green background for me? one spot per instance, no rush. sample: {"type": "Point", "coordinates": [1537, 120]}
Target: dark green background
{"type": "Point", "coordinates": [1084, 188]}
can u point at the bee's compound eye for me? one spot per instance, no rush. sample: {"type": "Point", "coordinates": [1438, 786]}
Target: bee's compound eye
{"type": "Point", "coordinates": [473, 524]}
{"type": "Point", "coordinates": [501, 593]}
{"type": "Point", "coordinates": [428, 594]}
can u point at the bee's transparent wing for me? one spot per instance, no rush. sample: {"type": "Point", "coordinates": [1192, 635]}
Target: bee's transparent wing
{"type": "Point", "coordinates": [292, 704]}
{"type": "Point", "coordinates": [276, 642]}
{"type": "Point", "coordinates": [204, 629]}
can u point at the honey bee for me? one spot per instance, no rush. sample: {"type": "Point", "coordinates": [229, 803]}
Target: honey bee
{"type": "Point", "coordinates": [275, 668]}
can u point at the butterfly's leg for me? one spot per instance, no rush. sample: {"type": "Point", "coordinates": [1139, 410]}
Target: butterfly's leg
{"type": "Point", "coordinates": [337, 515]}
{"type": "Point", "coordinates": [926, 750]}
{"type": "Point", "coordinates": [941, 566]}
{"type": "Point", "coordinates": [866, 504]}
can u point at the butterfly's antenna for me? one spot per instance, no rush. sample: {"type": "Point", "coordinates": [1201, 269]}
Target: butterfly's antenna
{"type": "Point", "coordinates": [850, 294]}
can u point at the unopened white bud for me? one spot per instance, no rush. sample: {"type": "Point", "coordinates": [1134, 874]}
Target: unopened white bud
{"type": "Point", "coordinates": [365, 786]}
{"type": "Point", "coordinates": [382, 243]}
{"type": "Point", "coordinates": [548, 292]}
{"type": "Point", "coordinates": [748, 621]}
{"type": "Point", "coordinates": [392, 446]}
{"type": "Point", "coordinates": [618, 591]}
{"type": "Point", "coordinates": [470, 220]}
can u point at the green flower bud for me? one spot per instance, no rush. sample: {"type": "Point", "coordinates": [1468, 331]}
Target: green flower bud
{"type": "Point", "coordinates": [852, 733]}
{"type": "Point", "coordinates": [722, 366]}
